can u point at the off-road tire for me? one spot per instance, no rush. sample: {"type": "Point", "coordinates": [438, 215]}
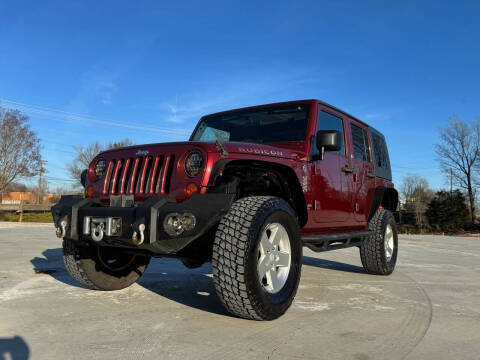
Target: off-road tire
{"type": "Point", "coordinates": [86, 265]}
{"type": "Point", "coordinates": [372, 249]}
{"type": "Point", "coordinates": [235, 258]}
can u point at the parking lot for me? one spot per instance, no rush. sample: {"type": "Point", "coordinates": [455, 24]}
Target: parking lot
{"type": "Point", "coordinates": [428, 309]}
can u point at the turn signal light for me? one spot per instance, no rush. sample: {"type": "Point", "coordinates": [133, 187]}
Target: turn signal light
{"type": "Point", "coordinates": [89, 191]}
{"type": "Point", "coordinates": [191, 189]}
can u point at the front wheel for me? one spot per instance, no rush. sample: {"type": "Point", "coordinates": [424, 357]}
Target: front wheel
{"type": "Point", "coordinates": [101, 267]}
{"type": "Point", "coordinates": [257, 257]}
{"type": "Point", "coordinates": [379, 251]}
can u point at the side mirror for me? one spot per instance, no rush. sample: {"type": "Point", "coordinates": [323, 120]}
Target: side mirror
{"type": "Point", "coordinates": [328, 140]}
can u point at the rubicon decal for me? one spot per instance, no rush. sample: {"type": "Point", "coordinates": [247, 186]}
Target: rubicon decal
{"type": "Point", "coordinates": [260, 151]}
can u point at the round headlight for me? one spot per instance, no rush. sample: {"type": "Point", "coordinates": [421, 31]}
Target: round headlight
{"type": "Point", "coordinates": [99, 168]}
{"type": "Point", "coordinates": [193, 163]}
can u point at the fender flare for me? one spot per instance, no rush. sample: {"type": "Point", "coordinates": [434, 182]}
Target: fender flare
{"type": "Point", "coordinates": [291, 178]}
{"type": "Point", "coordinates": [387, 197]}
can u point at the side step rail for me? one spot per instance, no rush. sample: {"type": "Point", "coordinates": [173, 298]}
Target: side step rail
{"type": "Point", "coordinates": [327, 242]}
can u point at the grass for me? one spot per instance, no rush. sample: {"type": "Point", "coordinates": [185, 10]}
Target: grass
{"type": "Point", "coordinates": [44, 217]}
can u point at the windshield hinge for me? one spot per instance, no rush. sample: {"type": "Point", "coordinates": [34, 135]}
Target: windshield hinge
{"type": "Point", "coordinates": [221, 148]}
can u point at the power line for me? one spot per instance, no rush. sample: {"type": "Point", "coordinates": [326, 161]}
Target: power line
{"type": "Point", "coordinates": [65, 116]}
{"type": "Point", "coordinates": [62, 151]}
{"type": "Point", "coordinates": [57, 143]}
{"type": "Point", "coordinates": [412, 168]}
{"type": "Point", "coordinates": [50, 178]}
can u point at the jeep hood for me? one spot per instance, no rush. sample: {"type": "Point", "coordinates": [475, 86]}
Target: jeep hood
{"type": "Point", "coordinates": [156, 169]}
{"type": "Point", "coordinates": [287, 150]}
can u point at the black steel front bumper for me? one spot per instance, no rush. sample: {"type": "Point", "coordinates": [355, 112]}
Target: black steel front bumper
{"type": "Point", "coordinates": [208, 209]}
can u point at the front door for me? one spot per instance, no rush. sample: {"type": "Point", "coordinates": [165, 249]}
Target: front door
{"type": "Point", "coordinates": [331, 200]}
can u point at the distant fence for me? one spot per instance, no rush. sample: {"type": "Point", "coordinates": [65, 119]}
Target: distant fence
{"type": "Point", "coordinates": [9, 202]}
{"type": "Point", "coordinates": [26, 207]}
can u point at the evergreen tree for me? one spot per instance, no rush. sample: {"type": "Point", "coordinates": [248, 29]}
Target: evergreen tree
{"type": "Point", "coordinates": [448, 212]}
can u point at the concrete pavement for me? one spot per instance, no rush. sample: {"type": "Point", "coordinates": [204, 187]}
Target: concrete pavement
{"type": "Point", "coordinates": [428, 309]}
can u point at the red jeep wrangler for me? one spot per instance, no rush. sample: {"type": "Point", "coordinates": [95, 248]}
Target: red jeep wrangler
{"type": "Point", "coordinates": [246, 192]}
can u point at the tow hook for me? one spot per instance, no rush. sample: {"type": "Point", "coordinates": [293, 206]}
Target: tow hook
{"type": "Point", "coordinates": [61, 231]}
{"type": "Point", "coordinates": [97, 232]}
{"type": "Point", "coordinates": [138, 239]}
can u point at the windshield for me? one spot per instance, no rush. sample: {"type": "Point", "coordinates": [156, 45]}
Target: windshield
{"type": "Point", "coordinates": [264, 125]}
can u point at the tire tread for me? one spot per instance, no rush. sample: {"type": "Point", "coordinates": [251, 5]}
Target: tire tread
{"type": "Point", "coordinates": [232, 243]}
{"type": "Point", "coordinates": [372, 248]}
{"type": "Point", "coordinates": [71, 259]}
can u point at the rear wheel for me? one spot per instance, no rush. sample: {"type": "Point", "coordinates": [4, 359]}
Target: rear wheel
{"type": "Point", "coordinates": [257, 258]}
{"type": "Point", "coordinates": [379, 251]}
{"type": "Point", "coordinates": [101, 267]}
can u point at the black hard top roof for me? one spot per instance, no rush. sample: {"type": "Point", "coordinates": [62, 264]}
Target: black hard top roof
{"type": "Point", "coordinates": [294, 102]}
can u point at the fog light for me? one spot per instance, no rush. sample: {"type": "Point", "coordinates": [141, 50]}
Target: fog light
{"type": "Point", "coordinates": [175, 223]}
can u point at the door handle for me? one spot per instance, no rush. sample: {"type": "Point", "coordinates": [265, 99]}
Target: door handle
{"type": "Point", "coordinates": [371, 175]}
{"type": "Point", "coordinates": [348, 170]}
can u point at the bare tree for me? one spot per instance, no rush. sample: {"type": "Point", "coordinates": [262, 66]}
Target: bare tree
{"type": "Point", "coordinates": [19, 148]}
{"type": "Point", "coordinates": [410, 183]}
{"type": "Point", "coordinates": [421, 198]}
{"type": "Point", "coordinates": [417, 195]}
{"type": "Point", "coordinates": [86, 154]}
{"type": "Point", "coordinates": [119, 144]}
{"type": "Point", "coordinates": [459, 153]}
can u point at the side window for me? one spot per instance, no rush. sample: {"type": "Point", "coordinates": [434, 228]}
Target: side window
{"type": "Point", "coordinates": [379, 151]}
{"type": "Point", "coordinates": [360, 143]}
{"type": "Point", "coordinates": [328, 121]}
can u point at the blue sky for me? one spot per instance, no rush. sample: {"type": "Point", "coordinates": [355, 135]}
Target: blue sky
{"type": "Point", "coordinates": [147, 70]}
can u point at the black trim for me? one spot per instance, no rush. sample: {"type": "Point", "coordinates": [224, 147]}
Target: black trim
{"type": "Point", "coordinates": [207, 208]}
{"type": "Point", "coordinates": [377, 201]}
{"type": "Point", "coordinates": [289, 175]}
{"type": "Point", "coordinates": [67, 208]}
{"type": "Point", "coordinates": [327, 242]}
{"type": "Point", "coordinates": [219, 165]}
{"type": "Point", "coordinates": [154, 219]}
{"type": "Point", "coordinates": [282, 104]}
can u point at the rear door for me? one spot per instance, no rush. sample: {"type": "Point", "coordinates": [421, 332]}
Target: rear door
{"type": "Point", "coordinates": [331, 200]}
{"type": "Point", "coordinates": [363, 177]}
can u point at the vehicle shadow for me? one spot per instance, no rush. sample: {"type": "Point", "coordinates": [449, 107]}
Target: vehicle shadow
{"type": "Point", "coordinates": [171, 279]}
{"type": "Point", "coordinates": [52, 264]}
{"type": "Point", "coordinates": [332, 265]}
{"type": "Point", "coordinates": [165, 277]}
{"type": "Point", "coordinates": [14, 348]}
{"type": "Point", "coordinates": [190, 287]}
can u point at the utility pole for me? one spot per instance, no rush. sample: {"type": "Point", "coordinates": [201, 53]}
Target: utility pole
{"type": "Point", "coordinates": [20, 219]}
{"type": "Point", "coordinates": [40, 182]}
{"type": "Point", "coordinates": [451, 182]}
